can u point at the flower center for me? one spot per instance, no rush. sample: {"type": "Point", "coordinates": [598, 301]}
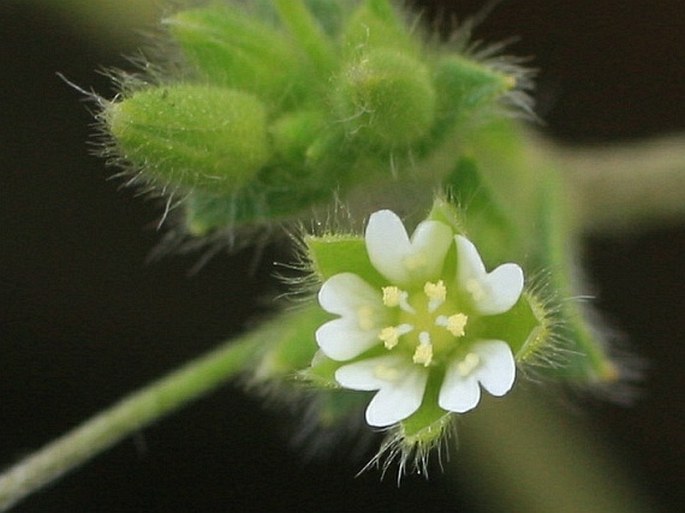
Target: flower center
{"type": "Point", "coordinates": [429, 325]}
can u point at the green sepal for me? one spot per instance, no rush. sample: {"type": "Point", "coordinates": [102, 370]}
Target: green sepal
{"type": "Point", "coordinates": [483, 220]}
{"type": "Point", "coordinates": [426, 426]}
{"type": "Point", "coordinates": [273, 195]}
{"type": "Point", "coordinates": [288, 342]}
{"type": "Point", "coordinates": [514, 326]}
{"type": "Point", "coordinates": [333, 254]}
{"type": "Point", "coordinates": [229, 47]}
{"type": "Point", "coordinates": [305, 29]}
{"type": "Point", "coordinates": [294, 133]}
{"type": "Point", "coordinates": [321, 373]}
{"type": "Point", "coordinates": [386, 98]}
{"type": "Point", "coordinates": [192, 136]}
{"type": "Point", "coordinates": [330, 15]}
{"type": "Point", "coordinates": [376, 24]}
{"type": "Point", "coordinates": [586, 359]}
{"type": "Point", "coordinates": [463, 86]}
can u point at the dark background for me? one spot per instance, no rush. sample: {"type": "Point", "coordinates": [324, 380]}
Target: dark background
{"type": "Point", "coordinates": [84, 319]}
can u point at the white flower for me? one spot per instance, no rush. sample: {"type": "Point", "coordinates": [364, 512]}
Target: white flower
{"type": "Point", "coordinates": [420, 322]}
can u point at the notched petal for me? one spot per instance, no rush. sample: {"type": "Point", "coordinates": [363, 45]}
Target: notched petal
{"type": "Point", "coordinates": [400, 259]}
{"type": "Point", "coordinates": [458, 393]}
{"type": "Point", "coordinates": [386, 242]}
{"type": "Point", "coordinates": [492, 293]}
{"type": "Point", "coordinates": [345, 293]}
{"type": "Point", "coordinates": [341, 339]}
{"type": "Point", "coordinates": [400, 387]}
{"type": "Point", "coordinates": [498, 370]}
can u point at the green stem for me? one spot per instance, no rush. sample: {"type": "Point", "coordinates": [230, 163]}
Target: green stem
{"type": "Point", "coordinates": [129, 415]}
{"type": "Point", "coordinates": [626, 186]}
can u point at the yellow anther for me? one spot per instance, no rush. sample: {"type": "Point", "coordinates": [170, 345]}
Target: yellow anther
{"type": "Point", "coordinates": [468, 364]}
{"type": "Point", "coordinates": [365, 318]}
{"type": "Point", "coordinates": [456, 324]}
{"type": "Point", "coordinates": [435, 291]}
{"type": "Point", "coordinates": [392, 296]}
{"type": "Point", "coordinates": [390, 337]}
{"type": "Point", "coordinates": [423, 354]}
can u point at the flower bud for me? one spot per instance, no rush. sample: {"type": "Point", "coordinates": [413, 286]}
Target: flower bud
{"type": "Point", "coordinates": [192, 135]}
{"type": "Point", "coordinates": [294, 133]}
{"type": "Point", "coordinates": [375, 24]}
{"type": "Point", "coordinates": [231, 48]}
{"type": "Point", "coordinates": [386, 98]}
{"type": "Point", "coordinates": [463, 86]}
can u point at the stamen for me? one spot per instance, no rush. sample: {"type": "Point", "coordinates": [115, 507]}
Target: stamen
{"type": "Point", "coordinates": [455, 324]}
{"type": "Point", "coordinates": [424, 351]}
{"type": "Point", "coordinates": [394, 296]}
{"type": "Point", "coordinates": [391, 296]}
{"type": "Point", "coordinates": [468, 364]}
{"type": "Point", "coordinates": [436, 294]}
{"type": "Point", "coordinates": [390, 336]}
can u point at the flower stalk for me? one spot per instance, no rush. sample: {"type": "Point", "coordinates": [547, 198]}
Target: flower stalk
{"type": "Point", "coordinates": [133, 413]}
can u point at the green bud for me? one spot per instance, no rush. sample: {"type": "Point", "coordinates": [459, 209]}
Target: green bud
{"type": "Point", "coordinates": [295, 132]}
{"type": "Point", "coordinates": [375, 24]}
{"type": "Point", "coordinates": [463, 86]}
{"type": "Point", "coordinates": [191, 135]}
{"type": "Point", "coordinates": [231, 48]}
{"type": "Point", "coordinates": [386, 98]}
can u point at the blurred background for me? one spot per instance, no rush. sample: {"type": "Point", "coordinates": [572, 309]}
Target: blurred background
{"type": "Point", "coordinates": [85, 317]}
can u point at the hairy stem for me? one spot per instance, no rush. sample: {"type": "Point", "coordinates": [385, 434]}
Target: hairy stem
{"type": "Point", "coordinates": [122, 419]}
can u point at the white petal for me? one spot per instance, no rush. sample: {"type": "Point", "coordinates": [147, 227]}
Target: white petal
{"type": "Point", "coordinates": [387, 242]}
{"type": "Point", "coordinates": [345, 293]}
{"type": "Point", "coordinates": [470, 265]}
{"type": "Point", "coordinates": [431, 240]}
{"type": "Point", "coordinates": [341, 339]}
{"type": "Point", "coordinates": [458, 393]}
{"type": "Point", "coordinates": [401, 386]}
{"type": "Point", "coordinates": [400, 259]}
{"type": "Point", "coordinates": [498, 290]}
{"type": "Point", "coordinates": [504, 286]}
{"type": "Point", "coordinates": [498, 369]}
{"type": "Point", "coordinates": [372, 373]}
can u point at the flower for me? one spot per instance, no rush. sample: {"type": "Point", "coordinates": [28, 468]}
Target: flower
{"type": "Point", "coordinates": [428, 319]}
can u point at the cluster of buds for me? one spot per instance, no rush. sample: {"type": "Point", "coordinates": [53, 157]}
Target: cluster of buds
{"type": "Point", "coordinates": [285, 103]}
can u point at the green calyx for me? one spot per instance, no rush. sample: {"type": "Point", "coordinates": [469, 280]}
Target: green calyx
{"type": "Point", "coordinates": [386, 98]}
{"type": "Point", "coordinates": [192, 136]}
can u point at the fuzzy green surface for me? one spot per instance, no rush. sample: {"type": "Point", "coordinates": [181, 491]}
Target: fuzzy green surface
{"type": "Point", "coordinates": [192, 135]}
